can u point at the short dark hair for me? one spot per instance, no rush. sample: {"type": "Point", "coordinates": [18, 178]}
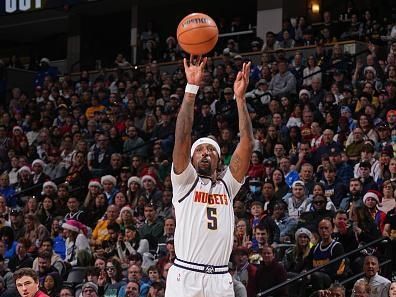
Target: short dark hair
{"type": "Point", "coordinates": [114, 226]}
{"type": "Point", "coordinates": [45, 255]}
{"type": "Point", "coordinates": [26, 272]}
{"type": "Point", "coordinates": [48, 239]}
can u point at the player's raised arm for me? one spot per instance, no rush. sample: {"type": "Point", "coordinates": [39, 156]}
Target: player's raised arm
{"type": "Point", "coordinates": [185, 118]}
{"type": "Point", "coordinates": [241, 157]}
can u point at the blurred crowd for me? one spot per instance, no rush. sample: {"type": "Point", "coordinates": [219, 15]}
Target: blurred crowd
{"type": "Point", "coordinates": [85, 190]}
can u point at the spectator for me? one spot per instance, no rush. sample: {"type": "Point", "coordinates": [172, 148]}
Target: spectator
{"type": "Point", "coordinates": [283, 83]}
{"type": "Point", "coordinates": [272, 272]}
{"type": "Point", "coordinates": [27, 283]}
{"type": "Point", "coordinates": [76, 240]}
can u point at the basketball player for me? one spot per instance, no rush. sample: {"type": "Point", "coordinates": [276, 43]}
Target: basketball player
{"type": "Point", "coordinates": [203, 198]}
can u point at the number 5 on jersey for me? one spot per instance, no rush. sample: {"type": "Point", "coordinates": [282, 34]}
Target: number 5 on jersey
{"type": "Point", "coordinates": [211, 213]}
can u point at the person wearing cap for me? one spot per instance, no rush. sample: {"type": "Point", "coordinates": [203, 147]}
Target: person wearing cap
{"type": "Point", "coordinates": [261, 94]}
{"type": "Point", "coordinates": [17, 222]}
{"type": "Point", "coordinates": [134, 144]}
{"type": "Point", "coordinates": [227, 105]}
{"type": "Point", "coordinates": [384, 135]}
{"type": "Point", "coordinates": [296, 201]}
{"type": "Point", "coordinates": [284, 82]}
{"type": "Point", "coordinates": [203, 200]}
{"type": "Point", "coordinates": [89, 289]}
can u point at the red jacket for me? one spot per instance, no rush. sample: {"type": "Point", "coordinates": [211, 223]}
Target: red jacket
{"type": "Point", "coordinates": [40, 294]}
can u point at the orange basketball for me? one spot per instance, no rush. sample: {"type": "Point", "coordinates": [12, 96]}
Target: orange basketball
{"type": "Point", "coordinates": [197, 34]}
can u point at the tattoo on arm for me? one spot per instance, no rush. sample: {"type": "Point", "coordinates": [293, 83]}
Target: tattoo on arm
{"type": "Point", "coordinates": [235, 163]}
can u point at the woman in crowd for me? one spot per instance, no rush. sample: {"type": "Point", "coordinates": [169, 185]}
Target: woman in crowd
{"type": "Point", "coordinates": [281, 187]}
{"type": "Point", "coordinates": [131, 243]}
{"type": "Point", "coordinates": [31, 206]}
{"type": "Point", "coordinates": [363, 225]}
{"type": "Point", "coordinates": [126, 217]}
{"type": "Point", "coordinates": [242, 232]}
{"type": "Point", "coordinates": [296, 256]}
{"type": "Point", "coordinates": [134, 188]}
{"type": "Point", "coordinates": [256, 168]}
{"type": "Point", "coordinates": [76, 240]}
{"type": "Point", "coordinates": [388, 196]}
{"type": "Point", "coordinates": [120, 200]}
{"type": "Point", "coordinates": [35, 232]}
{"type": "Point", "coordinates": [311, 71]}
{"type": "Point", "coordinates": [7, 236]}
{"type": "Point", "coordinates": [110, 281]}
{"type": "Point", "coordinates": [97, 210]}
{"type": "Point", "coordinates": [94, 189]}
{"type": "Point", "coordinates": [46, 212]}
{"type": "Point", "coordinates": [78, 174]}
{"type": "Point", "coordinates": [52, 285]}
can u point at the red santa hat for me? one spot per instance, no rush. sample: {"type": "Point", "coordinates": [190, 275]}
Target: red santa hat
{"type": "Point", "coordinates": [76, 226]}
{"type": "Point", "coordinates": [95, 183]}
{"type": "Point", "coordinates": [148, 177]}
{"type": "Point", "coordinates": [374, 195]}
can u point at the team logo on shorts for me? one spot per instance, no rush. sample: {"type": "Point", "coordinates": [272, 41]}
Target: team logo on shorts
{"type": "Point", "coordinates": [209, 269]}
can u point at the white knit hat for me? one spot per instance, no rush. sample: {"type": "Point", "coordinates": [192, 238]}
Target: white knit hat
{"type": "Point", "coordinates": [205, 140]}
{"type": "Point", "coordinates": [134, 179]}
{"type": "Point", "coordinates": [38, 161]}
{"type": "Point", "coordinates": [109, 178]}
{"type": "Point", "coordinates": [24, 168]}
{"type": "Point", "coordinates": [303, 231]}
{"type": "Point", "coordinates": [304, 91]}
{"type": "Point", "coordinates": [51, 184]}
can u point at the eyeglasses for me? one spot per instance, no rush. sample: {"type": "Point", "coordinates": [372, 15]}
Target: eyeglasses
{"type": "Point", "coordinates": [110, 268]}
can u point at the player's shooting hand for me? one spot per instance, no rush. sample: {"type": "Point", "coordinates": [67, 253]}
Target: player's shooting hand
{"type": "Point", "coordinates": [194, 69]}
{"type": "Point", "coordinates": [242, 81]}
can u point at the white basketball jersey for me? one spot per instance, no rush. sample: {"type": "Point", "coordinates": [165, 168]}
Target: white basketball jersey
{"type": "Point", "coordinates": [204, 217]}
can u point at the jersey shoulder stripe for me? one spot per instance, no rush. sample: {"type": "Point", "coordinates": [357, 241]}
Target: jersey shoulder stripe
{"type": "Point", "coordinates": [226, 188]}
{"type": "Point", "coordinates": [191, 189]}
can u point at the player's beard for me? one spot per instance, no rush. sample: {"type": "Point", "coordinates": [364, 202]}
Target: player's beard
{"type": "Point", "coordinates": [206, 170]}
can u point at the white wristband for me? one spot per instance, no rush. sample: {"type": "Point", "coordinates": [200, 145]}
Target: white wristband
{"type": "Point", "coordinates": [193, 89]}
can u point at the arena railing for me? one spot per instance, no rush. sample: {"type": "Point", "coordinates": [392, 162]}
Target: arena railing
{"type": "Point", "coordinates": [383, 240]}
{"type": "Point", "coordinates": [351, 46]}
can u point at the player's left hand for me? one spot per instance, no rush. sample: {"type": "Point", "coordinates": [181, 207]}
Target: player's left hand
{"type": "Point", "coordinates": [242, 81]}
